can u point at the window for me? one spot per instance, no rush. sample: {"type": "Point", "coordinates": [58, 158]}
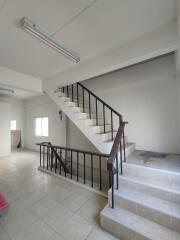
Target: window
{"type": "Point", "coordinates": [13, 124]}
{"type": "Point", "coordinates": [41, 127]}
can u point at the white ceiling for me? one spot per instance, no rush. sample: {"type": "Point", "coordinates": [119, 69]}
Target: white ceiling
{"type": "Point", "coordinates": [19, 94]}
{"type": "Point", "coordinates": [88, 27]}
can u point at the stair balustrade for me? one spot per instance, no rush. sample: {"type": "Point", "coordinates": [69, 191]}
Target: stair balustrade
{"type": "Point", "coordinates": [67, 161]}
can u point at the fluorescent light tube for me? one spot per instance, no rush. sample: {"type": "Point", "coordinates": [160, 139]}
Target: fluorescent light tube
{"type": "Point", "coordinates": [2, 89]}
{"type": "Point", "coordinates": [32, 28]}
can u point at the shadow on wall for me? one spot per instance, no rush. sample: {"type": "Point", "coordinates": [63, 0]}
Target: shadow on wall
{"type": "Point", "coordinates": [15, 139]}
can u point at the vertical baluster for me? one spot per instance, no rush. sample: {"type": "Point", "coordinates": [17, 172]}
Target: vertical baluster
{"type": "Point", "coordinates": [112, 190]}
{"type": "Point", "coordinates": [50, 158]}
{"type": "Point", "coordinates": [109, 179]}
{"type": "Point", "coordinates": [77, 166]}
{"type": "Point", "coordinates": [60, 161]}
{"type": "Point", "coordinates": [100, 174]}
{"type": "Point", "coordinates": [47, 158]}
{"type": "Point", "coordinates": [40, 156]}
{"type": "Point", "coordinates": [121, 155]}
{"type": "Point", "coordinates": [67, 91]}
{"type": "Point", "coordinates": [65, 161]}
{"type": "Point", "coordinates": [117, 172]}
{"type": "Point", "coordinates": [104, 118]}
{"type": "Point", "coordinates": [63, 89]}
{"type": "Point", "coordinates": [96, 113]}
{"type": "Point", "coordinates": [55, 160]}
{"type": "Point", "coordinates": [84, 168]}
{"type": "Point", "coordinates": [83, 100]}
{"type": "Point", "coordinates": [91, 170]}
{"type": "Point", "coordinates": [71, 163]}
{"type": "Point", "coordinates": [43, 155]}
{"type": "Point", "coordinates": [124, 146]}
{"type": "Point", "coordinates": [112, 137]}
{"type": "Point", "coordinates": [89, 105]}
{"type": "Point", "coordinates": [77, 94]}
{"type": "Point", "coordinates": [72, 92]}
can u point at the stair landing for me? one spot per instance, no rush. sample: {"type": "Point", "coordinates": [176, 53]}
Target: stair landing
{"type": "Point", "coordinates": [168, 162]}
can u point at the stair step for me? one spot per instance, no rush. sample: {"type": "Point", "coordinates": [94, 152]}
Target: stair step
{"type": "Point", "coordinates": [129, 226]}
{"type": "Point", "coordinates": [87, 115]}
{"type": "Point", "coordinates": [80, 109]}
{"type": "Point", "coordinates": [108, 136]}
{"type": "Point", "coordinates": [75, 104]}
{"type": "Point", "coordinates": [155, 209]}
{"type": "Point", "coordinates": [100, 128]}
{"type": "Point", "coordinates": [161, 178]}
{"type": "Point", "coordinates": [92, 122]}
{"type": "Point", "coordinates": [167, 194]}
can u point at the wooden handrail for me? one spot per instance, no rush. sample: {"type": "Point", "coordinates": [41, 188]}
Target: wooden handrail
{"type": "Point", "coordinates": [73, 149]}
{"type": "Point", "coordinates": [100, 100]}
{"type": "Point", "coordinates": [115, 147]}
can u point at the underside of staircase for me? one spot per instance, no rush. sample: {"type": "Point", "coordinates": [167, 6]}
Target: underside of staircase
{"type": "Point", "coordinates": [87, 124]}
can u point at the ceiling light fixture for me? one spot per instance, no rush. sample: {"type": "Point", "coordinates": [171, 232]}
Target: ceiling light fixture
{"type": "Point", "coordinates": [32, 28]}
{"type": "Point", "coordinates": [2, 89]}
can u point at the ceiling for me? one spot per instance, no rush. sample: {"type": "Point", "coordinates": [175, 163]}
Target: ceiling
{"type": "Point", "coordinates": [88, 27]}
{"type": "Point", "coordinates": [18, 93]}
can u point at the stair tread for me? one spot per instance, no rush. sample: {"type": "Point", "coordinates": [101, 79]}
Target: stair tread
{"type": "Point", "coordinates": [139, 224]}
{"type": "Point", "coordinates": [136, 180]}
{"type": "Point", "coordinates": [152, 202]}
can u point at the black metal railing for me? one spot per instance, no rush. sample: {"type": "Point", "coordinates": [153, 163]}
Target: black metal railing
{"type": "Point", "coordinates": [93, 105]}
{"type": "Point", "coordinates": [89, 102]}
{"type": "Point", "coordinates": [67, 161]}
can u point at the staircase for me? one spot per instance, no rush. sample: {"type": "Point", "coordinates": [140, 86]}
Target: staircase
{"type": "Point", "coordinates": [143, 203]}
{"type": "Point", "coordinates": [95, 119]}
{"type": "Point", "coordinates": [147, 205]}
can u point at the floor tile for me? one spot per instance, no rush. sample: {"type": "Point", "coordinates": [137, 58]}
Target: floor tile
{"type": "Point", "coordinates": [76, 228]}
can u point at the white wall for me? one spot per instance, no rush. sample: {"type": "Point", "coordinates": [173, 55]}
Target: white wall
{"type": "Point", "coordinates": [5, 137]}
{"type": "Point", "coordinates": [17, 113]}
{"type": "Point", "coordinates": [160, 41]}
{"type": "Point", "coordinates": [146, 96]}
{"type": "Point", "coordinates": [76, 139]}
{"type": "Point", "coordinates": [44, 107]}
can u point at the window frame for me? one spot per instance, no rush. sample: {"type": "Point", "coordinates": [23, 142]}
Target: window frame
{"type": "Point", "coordinates": [13, 126]}
{"type": "Point", "coordinates": [41, 130]}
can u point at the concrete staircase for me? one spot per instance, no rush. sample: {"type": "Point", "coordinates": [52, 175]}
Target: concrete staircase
{"type": "Point", "coordinates": [102, 141]}
{"type": "Point", "coordinates": [147, 205]}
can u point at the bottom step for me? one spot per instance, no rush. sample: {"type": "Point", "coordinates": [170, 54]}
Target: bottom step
{"type": "Point", "coordinates": [129, 226]}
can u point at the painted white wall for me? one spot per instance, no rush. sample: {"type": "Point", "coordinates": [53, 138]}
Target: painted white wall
{"type": "Point", "coordinates": [147, 46]}
{"type": "Point", "coordinates": [146, 95]}
{"type": "Point", "coordinates": [17, 113]}
{"type": "Point", "coordinates": [76, 139]}
{"type": "Point", "coordinates": [5, 137]}
{"type": "Point", "coordinates": [43, 106]}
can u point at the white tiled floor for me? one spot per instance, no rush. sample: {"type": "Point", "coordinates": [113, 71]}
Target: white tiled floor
{"type": "Point", "coordinates": [44, 207]}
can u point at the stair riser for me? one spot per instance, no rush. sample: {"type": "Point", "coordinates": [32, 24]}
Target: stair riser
{"type": "Point", "coordinates": [119, 230]}
{"type": "Point", "coordinates": [86, 115]}
{"type": "Point", "coordinates": [73, 104]}
{"type": "Point", "coordinates": [100, 129]}
{"type": "Point", "coordinates": [80, 110]}
{"type": "Point", "coordinates": [153, 176]}
{"type": "Point", "coordinates": [108, 136]}
{"type": "Point", "coordinates": [145, 211]}
{"type": "Point", "coordinates": [153, 191]}
{"type": "Point", "coordinates": [68, 99]}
